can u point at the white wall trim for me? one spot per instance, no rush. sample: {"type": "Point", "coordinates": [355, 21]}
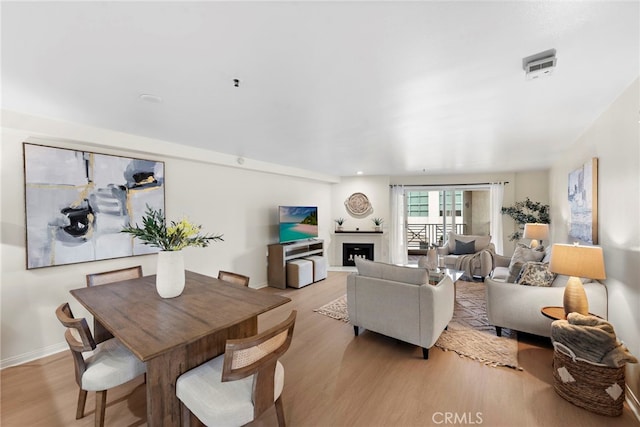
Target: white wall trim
{"type": "Point", "coordinates": [33, 355]}
{"type": "Point", "coordinates": [633, 402]}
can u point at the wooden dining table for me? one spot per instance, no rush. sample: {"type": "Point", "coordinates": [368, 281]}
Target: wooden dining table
{"type": "Point", "coordinates": [177, 334]}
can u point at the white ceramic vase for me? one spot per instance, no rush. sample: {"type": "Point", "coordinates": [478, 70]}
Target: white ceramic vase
{"type": "Point", "coordinates": [170, 274]}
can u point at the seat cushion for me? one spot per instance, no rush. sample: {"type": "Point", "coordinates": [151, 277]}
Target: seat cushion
{"type": "Point", "coordinates": [217, 403]}
{"type": "Point", "coordinates": [110, 365]}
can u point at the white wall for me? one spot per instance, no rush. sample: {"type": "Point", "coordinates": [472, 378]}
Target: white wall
{"type": "Point", "coordinates": [614, 139]}
{"type": "Point", "coordinates": [236, 201]}
{"type": "Point", "coordinates": [376, 188]}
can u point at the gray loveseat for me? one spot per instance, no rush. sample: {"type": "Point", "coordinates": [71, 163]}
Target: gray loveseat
{"type": "Point", "coordinates": [399, 302]}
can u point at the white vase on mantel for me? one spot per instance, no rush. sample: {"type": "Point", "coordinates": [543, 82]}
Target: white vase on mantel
{"type": "Point", "coordinates": [170, 274]}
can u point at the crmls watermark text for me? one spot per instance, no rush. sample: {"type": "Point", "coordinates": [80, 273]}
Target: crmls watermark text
{"type": "Point", "coordinates": [456, 418]}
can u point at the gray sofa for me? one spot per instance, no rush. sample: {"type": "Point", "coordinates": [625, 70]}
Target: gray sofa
{"type": "Point", "coordinates": [479, 263]}
{"type": "Point", "coordinates": [517, 307]}
{"type": "Point", "coordinates": [399, 302]}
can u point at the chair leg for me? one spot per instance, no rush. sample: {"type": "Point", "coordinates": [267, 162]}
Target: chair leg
{"type": "Point", "coordinates": [425, 353]}
{"type": "Point", "coordinates": [499, 331]}
{"type": "Point", "coordinates": [101, 404]}
{"type": "Point", "coordinates": [82, 400]}
{"type": "Point", "coordinates": [356, 330]}
{"type": "Point", "coordinates": [280, 412]}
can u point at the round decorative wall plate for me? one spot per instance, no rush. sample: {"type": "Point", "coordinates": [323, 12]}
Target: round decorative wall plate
{"type": "Point", "coordinates": [358, 204]}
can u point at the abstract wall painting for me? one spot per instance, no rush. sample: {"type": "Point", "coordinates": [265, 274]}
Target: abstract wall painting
{"type": "Point", "coordinates": [583, 202]}
{"type": "Point", "coordinates": [77, 202]}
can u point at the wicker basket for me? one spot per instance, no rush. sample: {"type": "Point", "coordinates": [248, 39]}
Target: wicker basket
{"type": "Point", "coordinates": [596, 388]}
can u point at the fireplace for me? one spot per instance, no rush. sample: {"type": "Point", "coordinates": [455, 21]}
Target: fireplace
{"type": "Point", "coordinates": [351, 251]}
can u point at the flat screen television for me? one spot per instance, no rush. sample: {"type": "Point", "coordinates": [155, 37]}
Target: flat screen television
{"type": "Point", "coordinates": [297, 223]}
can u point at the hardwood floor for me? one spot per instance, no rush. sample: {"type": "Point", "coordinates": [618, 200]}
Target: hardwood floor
{"type": "Point", "coordinates": [335, 379]}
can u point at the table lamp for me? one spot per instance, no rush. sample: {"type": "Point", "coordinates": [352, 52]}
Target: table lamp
{"type": "Point", "coordinates": [535, 232]}
{"type": "Point", "coordinates": [577, 261]}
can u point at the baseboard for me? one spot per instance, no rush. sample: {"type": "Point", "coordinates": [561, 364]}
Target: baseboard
{"type": "Point", "coordinates": [33, 355]}
{"type": "Point", "coordinates": [633, 402]}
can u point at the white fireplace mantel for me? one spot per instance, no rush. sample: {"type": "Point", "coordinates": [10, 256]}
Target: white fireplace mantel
{"type": "Point", "coordinates": [379, 241]}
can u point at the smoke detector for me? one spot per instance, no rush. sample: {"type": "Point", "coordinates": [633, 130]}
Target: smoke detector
{"type": "Point", "coordinates": [539, 65]}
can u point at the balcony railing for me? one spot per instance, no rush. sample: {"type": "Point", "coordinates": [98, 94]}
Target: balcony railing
{"type": "Point", "coordinates": [420, 236]}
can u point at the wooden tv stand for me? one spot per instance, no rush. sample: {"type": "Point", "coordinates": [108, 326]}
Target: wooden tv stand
{"type": "Point", "coordinates": [280, 253]}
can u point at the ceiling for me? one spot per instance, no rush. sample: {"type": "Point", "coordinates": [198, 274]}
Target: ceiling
{"type": "Point", "coordinates": [386, 88]}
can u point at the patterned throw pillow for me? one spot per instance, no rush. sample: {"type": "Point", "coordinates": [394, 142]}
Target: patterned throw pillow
{"type": "Point", "coordinates": [521, 255]}
{"type": "Point", "coordinates": [536, 274]}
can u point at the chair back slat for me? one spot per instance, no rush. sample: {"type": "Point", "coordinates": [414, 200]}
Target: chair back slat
{"type": "Point", "coordinates": [100, 333]}
{"type": "Point", "coordinates": [78, 338]}
{"type": "Point", "coordinates": [258, 356]}
{"type": "Point", "coordinates": [78, 335]}
{"type": "Point", "coordinates": [95, 279]}
{"type": "Point", "coordinates": [231, 277]}
{"type": "Point", "coordinates": [253, 352]}
{"type": "Point", "coordinates": [246, 357]}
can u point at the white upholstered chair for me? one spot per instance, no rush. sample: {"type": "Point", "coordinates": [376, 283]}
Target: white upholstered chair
{"type": "Point", "coordinates": [235, 388]}
{"type": "Point", "coordinates": [110, 365]}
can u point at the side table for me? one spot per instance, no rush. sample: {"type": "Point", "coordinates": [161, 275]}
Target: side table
{"type": "Point", "coordinates": [553, 312]}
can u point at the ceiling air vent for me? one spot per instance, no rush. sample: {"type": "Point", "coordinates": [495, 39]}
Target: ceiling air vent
{"type": "Point", "coordinates": [539, 65]}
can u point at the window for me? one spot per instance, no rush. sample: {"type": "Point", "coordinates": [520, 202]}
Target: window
{"type": "Point", "coordinates": [418, 203]}
{"type": "Point", "coordinates": [458, 207]}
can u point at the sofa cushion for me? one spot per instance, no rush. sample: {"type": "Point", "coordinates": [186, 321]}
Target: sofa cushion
{"type": "Point", "coordinates": [482, 242]}
{"type": "Point", "coordinates": [464, 248]}
{"type": "Point", "coordinates": [396, 273]}
{"type": "Point", "coordinates": [536, 274]}
{"type": "Point", "coordinates": [521, 255]}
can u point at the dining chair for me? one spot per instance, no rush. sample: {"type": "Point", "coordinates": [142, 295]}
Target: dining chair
{"type": "Point", "coordinates": [110, 365]}
{"type": "Point", "coordinates": [228, 276]}
{"type": "Point", "coordinates": [236, 387]}
{"type": "Point", "coordinates": [100, 333]}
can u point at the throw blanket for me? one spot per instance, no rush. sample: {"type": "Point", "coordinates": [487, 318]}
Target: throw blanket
{"type": "Point", "coordinates": [592, 339]}
{"type": "Point", "coordinates": [468, 263]}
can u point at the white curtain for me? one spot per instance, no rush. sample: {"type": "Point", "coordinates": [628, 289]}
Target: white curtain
{"type": "Point", "coordinates": [397, 233]}
{"type": "Point", "coordinates": [497, 196]}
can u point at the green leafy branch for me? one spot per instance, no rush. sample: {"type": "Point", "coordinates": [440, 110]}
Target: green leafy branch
{"type": "Point", "coordinates": [527, 211]}
{"type": "Point", "coordinates": [175, 237]}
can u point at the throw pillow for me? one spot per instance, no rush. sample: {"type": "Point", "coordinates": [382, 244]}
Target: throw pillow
{"type": "Point", "coordinates": [536, 274]}
{"type": "Point", "coordinates": [521, 255]}
{"type": "Point", "coordinates": [464, 248]}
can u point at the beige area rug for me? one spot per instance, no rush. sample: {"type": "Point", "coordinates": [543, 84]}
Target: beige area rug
{"type": "Point", "coordinates": [336, 309]}
{"type": "Point", "coordinates": [469, 333]}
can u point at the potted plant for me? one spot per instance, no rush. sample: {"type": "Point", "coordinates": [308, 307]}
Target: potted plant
{"type": "Point", "coordinates": [378, 223]}
{"type": "Point", "coordinates": [339, 222]}
{"type": "Point", "coordinates": [524, 212]}
{"type": "Point", "coordinates": [170, 239]}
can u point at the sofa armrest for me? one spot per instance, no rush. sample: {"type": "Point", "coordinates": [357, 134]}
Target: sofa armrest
{"type": "Point", "coordinates": [436, 310]}
{"type": "Point", "coordinates": [443, 250]}
{"type": "Point", "coordinates": [501, 260]}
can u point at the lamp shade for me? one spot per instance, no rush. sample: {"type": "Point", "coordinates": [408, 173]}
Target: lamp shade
{"type": "Point", "coordinates": [536, 231]}
{"type": "Point", "coordinates": [577, 261]}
